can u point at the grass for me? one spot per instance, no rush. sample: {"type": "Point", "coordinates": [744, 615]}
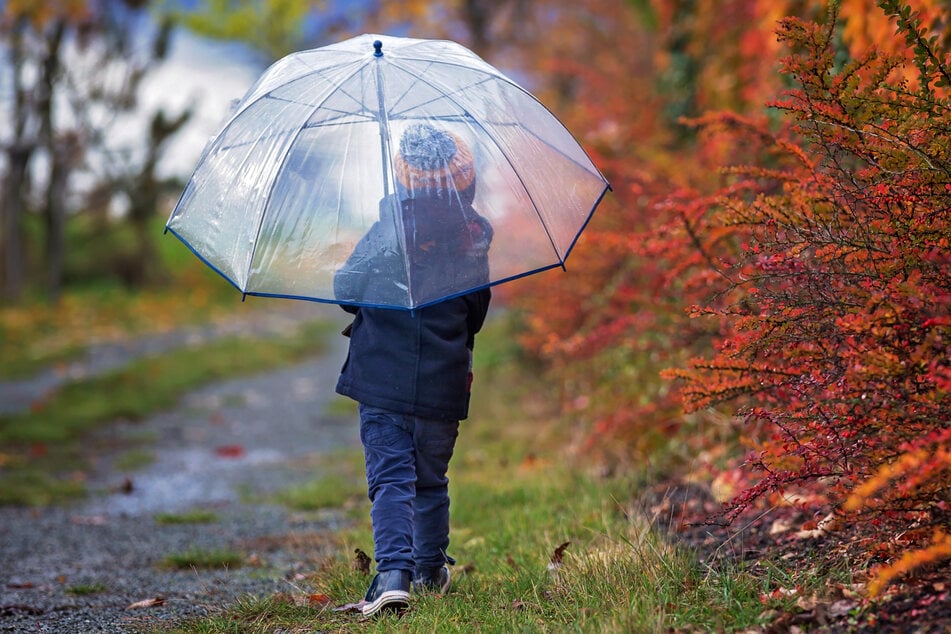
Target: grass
{"type": "Point", "coordinates": [616, 575]}
{"type": "Point", "coordinates": [331, 491]}
{"type": "Point", "coordinates": [197, 558]}
{"type": "Point", "coordinates": [34, 485]}
{"type": "Point", "coordinates": [516, 499]}
{"type": "Point", "coordinates": [196, 516]}
{"type": "Point", "coordinates": [86, 589]}
{"type": "Point", "coordinates": [134, 459]}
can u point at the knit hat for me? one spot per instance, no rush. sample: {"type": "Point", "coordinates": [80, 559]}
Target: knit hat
{"type": "Point", "coordinates": [433, 159]}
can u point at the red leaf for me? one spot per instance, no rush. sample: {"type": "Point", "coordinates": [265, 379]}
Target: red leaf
{"type": "Point", "coordinates": [230, 451]}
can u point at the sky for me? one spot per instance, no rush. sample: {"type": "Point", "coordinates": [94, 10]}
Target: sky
{"type": "Point", "coordinates": [208, 74]}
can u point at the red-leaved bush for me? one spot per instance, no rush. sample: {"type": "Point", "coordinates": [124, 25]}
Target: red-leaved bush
{"type": "Point", "coordinates": [832, 294]}
{"type": "Point", "coordinates": [795, 271]}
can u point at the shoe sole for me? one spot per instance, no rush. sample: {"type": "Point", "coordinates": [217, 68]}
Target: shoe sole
{"type": "Point", "coordinates": [392, 600]}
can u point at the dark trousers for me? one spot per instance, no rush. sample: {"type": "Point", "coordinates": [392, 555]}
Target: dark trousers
{"type": "Point", "coordinates": [406, 462]}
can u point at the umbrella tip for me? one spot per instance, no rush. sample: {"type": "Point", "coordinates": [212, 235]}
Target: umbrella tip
{"type": "Point", "coordinates": [378, 48]}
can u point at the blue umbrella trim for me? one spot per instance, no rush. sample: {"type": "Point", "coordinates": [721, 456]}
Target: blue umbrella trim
{"type": "Point", "coordinates": [245, 293]}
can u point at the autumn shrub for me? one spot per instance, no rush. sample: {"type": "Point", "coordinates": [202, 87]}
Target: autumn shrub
{"type": "Point", "coordinates": [794, 267]}
{"type": "Point", "coordinates": [832, 286]}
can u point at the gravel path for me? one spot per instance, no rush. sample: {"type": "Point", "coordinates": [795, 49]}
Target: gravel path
{"type": "Point", "coordinates": [79, 569]}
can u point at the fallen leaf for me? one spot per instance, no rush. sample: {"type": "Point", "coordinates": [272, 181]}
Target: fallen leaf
{"type": "Point", "coordinates": [853, 591]}
{"type": "Point", "coordinates": [25, 585]}
{"type": "Point", "coordinates": [807, 604]}
{"type": "Point", "coordinates": [830, 523]}
{"type": "Point", "coordinates": [361, 562]}
{"type": "Point", "coordinates": [779, 526]}
{"type": "Point", "coordinates": [766, 616]}
{"type": "Point", "coordinates": [531, 462]}
{"type": "Point", "coordinates": [778, 593]}
{"type": "Point", "coordinates": [317, 599]}
{"type": "Point", "coordinates": [842, 607]}
{"type": "Point", "coordinates": [147, 603]}
{"type": "Point", "coordinates": [229, 451]}
{"type": "Point", "coordinates": [125, 488]}
{"type": "Point", "coordinates": [464, 569]}
{"type": "Point", "coordinates": [812, 533]}
{"type": "Point", "coordinates": [89, 520]}
{"type": "Point", "coordinates": [510, 561]}
{"type": "Point", "coordinates": [559, 553]}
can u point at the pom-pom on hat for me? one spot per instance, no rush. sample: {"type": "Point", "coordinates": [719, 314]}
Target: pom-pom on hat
{"type": "Point", "coordinates": [434, 160]}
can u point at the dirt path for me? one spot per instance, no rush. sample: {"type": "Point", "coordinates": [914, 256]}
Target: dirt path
{"type": "Point", "coordinates": [224, 449]}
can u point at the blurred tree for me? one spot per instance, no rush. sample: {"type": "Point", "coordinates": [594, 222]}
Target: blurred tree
{"type": "Point", "coordinates": [76, 68]}
{"type": "Point", "coordinates": [491, 28]}
{"type": "Point", "coordinates": [272, 27]}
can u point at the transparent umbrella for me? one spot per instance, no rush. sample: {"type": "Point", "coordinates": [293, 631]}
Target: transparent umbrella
{"type": "Point", "coordinates": [387, 172]}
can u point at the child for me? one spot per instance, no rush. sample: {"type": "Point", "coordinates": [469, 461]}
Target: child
{"type": "Point", "coordinates": [410, 371]}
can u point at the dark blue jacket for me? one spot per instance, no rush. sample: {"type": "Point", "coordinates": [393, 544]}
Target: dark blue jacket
{"type": "Point", "coordinates": [417, 362]}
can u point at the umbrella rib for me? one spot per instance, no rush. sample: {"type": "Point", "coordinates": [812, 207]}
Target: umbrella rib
{"type": "Point", "coordinates": [478, 123]}
{"type": "Point", "coordinates": [325, 123]}
{"type": "Point", "coordinates": [270, 95]}
{"type": "Point", "coordinates": [505, 79]}
{"type": "Point", "coordinates": [430, 64]}
{"type": "Point", "coordinates": [287, 152]}
{"type": "Point", "coordinates": [346, 113]}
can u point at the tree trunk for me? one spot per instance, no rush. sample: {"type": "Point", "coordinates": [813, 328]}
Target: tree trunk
{"type": "Point", "coordinates": [60, 157]}
{"type": "Point", "coordinates": [14, 185]}
{"type": "Point", "coordinates": [13, 267]}
{"type": "Point", "coordinates": [146, 192]}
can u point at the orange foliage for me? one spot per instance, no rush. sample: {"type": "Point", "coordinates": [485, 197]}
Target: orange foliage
{"type": "Point", "coordinates": [41, 13]}
{"type": "Point", "coordinates": [938, 551]}
{"type": "Point", "coordinates": [865, 25]}
{"type": "Point", "coordinates": [814, 272]}
{"type": "Point", "coordinates": [909, 472]}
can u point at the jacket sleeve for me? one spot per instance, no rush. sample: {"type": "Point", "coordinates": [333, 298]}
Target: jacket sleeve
{"type": "Point", "coordinates": [372, 273]}
{"type": "Point", "coordinates": [350, 280]}
{"type": "Point", "coordinates": [478, 309]}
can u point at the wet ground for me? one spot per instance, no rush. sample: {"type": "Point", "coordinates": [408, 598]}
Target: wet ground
{"type": "Point", "coordinates": [226, 449]}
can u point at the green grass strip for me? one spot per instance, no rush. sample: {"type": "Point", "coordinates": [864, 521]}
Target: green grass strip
{"type": "Point", "coordinates": [152, 384]}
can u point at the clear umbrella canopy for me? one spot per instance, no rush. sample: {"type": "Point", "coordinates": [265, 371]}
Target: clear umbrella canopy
{"type": "Point", "coordinates": [401, 160]}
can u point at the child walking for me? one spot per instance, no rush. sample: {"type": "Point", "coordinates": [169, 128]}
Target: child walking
{"type": "Point", "coordinates": [410, 371]}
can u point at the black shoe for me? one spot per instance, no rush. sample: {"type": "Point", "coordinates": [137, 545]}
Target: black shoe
{"type": "Point", "coordinates": [432, 580]}
{"type": "Point", "coordinates": [388, 591]}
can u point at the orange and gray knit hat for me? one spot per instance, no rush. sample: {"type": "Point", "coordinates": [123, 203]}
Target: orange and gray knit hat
{"type": "Point", "coordinates": [433, 161]}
